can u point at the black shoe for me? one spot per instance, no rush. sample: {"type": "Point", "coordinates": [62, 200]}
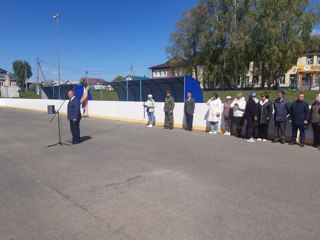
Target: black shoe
{"type": "Point", "coordinates": [301, 144]}
{"type": "Point", "coordinates": [292, 143]}
{"type": "Point", "coordinates": [171, 128]}
{"type": "Point", "coordinates": [75, 142]}
{"type": "Point", "coordinates": [282, 141]}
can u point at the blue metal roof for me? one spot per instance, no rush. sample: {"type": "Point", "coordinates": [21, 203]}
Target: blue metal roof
{"type": "Point", "coordinates": [138, 90]}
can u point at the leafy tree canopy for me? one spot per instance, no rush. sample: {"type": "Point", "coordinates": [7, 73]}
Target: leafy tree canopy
{"type": "Point", "coordinates": [21, 71]}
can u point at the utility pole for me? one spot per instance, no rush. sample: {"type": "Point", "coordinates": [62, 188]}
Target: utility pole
{"type": "Point", "coordinates": [38, 87]}
{"type": "Point", "coordinates": [25, 80]}
{"type": "Point", "coordinates": [56, 18]}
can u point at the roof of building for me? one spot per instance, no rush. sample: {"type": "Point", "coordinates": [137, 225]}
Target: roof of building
{"type": "Point", "coordinates": [94, 81]}
{"type": "Point", "coordinates": [2, 71]}
{"type": "Point", "coordinates": [130, 77]}
{"type": "Point", "coordinates": [161, 66]}
{"type": "Point", "coordinates": [173, 62]}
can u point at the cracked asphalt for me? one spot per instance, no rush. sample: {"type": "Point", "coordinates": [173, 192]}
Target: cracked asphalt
{"type": "Point", "coordinates": [126, 181]}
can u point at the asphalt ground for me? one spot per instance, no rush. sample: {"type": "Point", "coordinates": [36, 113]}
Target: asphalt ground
{"type": "Point", "coordinates": [126, 181]}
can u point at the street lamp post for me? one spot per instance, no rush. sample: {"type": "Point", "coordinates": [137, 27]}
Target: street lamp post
{"type": "Point", "coordinates": [56, 17]}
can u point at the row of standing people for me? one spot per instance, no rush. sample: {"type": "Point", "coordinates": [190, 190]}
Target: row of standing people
{"type": "Point", "coordinates": [256, 112]}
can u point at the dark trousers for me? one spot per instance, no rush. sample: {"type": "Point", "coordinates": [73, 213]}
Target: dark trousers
{"type": "Point", "coordinates": [295, 128]}
{"type": "Point", "coordinates": [189, 121]}
{"type": "Point", "coordinates": [75, 130]}
{"type": "Point", "coordinates": [316, 134]}
{"type": "Point", "coordinates": [168, 120]}
{"type": "Point", "coordinates": [263, 130]}
{"type": "Point", "coordinates": [227, 124]}
{"type": "Point", "coordinates": [249, 128]}
{"type": "Point", "coordinates": [280, 130]}
{"type": "Point", "coordinates": [239, 123]}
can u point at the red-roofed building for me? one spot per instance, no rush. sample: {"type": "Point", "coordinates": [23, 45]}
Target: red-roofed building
{"type": "Point", "coordinates": [95, 83]}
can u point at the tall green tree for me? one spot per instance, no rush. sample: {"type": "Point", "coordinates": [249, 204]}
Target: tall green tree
{"type": "Point", "coordinates": [226, 36]}
{"type": "Point", "coordinates": [21, 71]}
{"type": "Point", "coordinates": [226, 43]}
{"type": "Point", "coordinates": [185, 42]}
{"type": "Point", "coordinates": [279, 32]}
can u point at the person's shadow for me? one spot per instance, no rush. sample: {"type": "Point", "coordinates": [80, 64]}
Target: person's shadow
{"type": "Point", "coordinates": [85, 138]}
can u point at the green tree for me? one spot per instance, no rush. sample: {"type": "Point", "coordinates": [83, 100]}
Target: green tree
{"type": "Point", "coordinates": [21, 71]}
{"type": "Point", "coordinates": [119, 78]}
{"type": "Point", "coordinates": [313, 44]}
{"type": "Point", "coordinates": [226, 43]}
{"type": "Point", "coordinates": [226, 36]}
{"type": "Point", "coordinates": [279, 32]}
{"type": "Point", "coordinates": [185, 49]}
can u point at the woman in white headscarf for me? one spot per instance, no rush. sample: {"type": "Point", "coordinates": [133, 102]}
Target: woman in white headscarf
{"type": "Point", "coordinates": [150, 104]}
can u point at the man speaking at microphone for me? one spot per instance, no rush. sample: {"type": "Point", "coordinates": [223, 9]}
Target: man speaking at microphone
{"type": "Point", "coordinates": [74, 116]}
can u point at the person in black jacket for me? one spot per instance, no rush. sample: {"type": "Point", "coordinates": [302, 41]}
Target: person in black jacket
{"type": "Point", "coordinates": [74, 116]}
{"type": "Point", "coordinates": [299, 115]}
{"type": "Point", "coordinates": [315, 121]}
{"type": "Point", "coordinates": [189, 106]}
{"type": "Point", "coordinates": [265, 110]}
{"type": "Point", "coordinates": [250, 114]}
{"type": "Point", "coordinates": [281, 113]}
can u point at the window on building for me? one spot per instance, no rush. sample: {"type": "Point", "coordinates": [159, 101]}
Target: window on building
{"type": "Point", "coordinates": [163, 73]}
{"type": "Point", "coordinates": [309, 60]}
{"type": "Point", "coordinates": [318, 59]}
{"type": "Point", "coordinates": [156, 73]}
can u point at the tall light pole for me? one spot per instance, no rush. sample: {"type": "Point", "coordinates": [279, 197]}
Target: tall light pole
{"type": "Point", "coordinates": [56, 17]}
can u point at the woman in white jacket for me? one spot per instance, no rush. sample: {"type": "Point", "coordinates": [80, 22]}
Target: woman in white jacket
{"type": "Point", "coordinates": [238, 105]}
{"type": "Point", "coordinates": [150, 105]}
{"type": "Point", "coordinates": [215, 109]}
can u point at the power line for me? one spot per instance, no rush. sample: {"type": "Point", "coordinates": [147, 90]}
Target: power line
{"type": "Point", "coordinates": [70, 69]}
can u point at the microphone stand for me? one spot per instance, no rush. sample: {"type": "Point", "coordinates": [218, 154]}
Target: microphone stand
{"type": "Point", "coordinates": [59, 125]}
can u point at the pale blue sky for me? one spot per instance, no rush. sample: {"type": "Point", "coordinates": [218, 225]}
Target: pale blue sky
{"type": "Point", "coordinates": [100, 35]}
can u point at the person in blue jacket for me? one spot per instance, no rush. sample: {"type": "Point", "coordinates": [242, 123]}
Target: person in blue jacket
{"type": "Point", "coordinates": [281, 113]}
{"type": "Point", "coordinates": [299, 115]}
{"type": "Point", "coordinates": [74, 116]}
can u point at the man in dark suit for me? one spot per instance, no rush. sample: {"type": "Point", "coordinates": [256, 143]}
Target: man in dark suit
{"type": "Point", "coordinates": [74, 116]}
{"type": "Point", "coordinates": [299, 115]}
{"type": "Point", "coordinates": [189, 106]}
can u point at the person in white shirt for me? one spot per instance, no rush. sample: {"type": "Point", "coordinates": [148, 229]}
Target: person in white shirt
{"type": "Point", "coordinates": [215, 109]}
{"type": "Point", "coordinates": [150, 104]}
{"type": "Point", "coordinates": [238, 105]}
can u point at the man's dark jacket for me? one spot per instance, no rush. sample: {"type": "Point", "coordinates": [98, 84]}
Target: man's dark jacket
{"type": "Point", "coordinates": [299, 112]}
{"type": "Point", "coordinates": [281, 109]}
{"type": "Point", "coordinates": [189, 106]}
{"type": "Point", "coordinates": [251, 110]}
{"type": "Point", "coordinates": [74, 109]}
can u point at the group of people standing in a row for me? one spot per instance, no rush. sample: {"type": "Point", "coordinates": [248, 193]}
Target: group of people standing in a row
{"type": "Point", "coordinates": [256, 112]}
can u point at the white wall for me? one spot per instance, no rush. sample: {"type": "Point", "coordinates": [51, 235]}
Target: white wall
{"type": "Point", "coordinates": [131, 112]}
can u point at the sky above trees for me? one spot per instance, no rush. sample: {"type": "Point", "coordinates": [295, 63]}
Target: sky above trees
{"type": "Point", "coordinates": [102, 37]}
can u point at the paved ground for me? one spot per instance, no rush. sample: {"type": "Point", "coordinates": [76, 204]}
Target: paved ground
{"type": "Point", "coordinates": [127, 181]}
